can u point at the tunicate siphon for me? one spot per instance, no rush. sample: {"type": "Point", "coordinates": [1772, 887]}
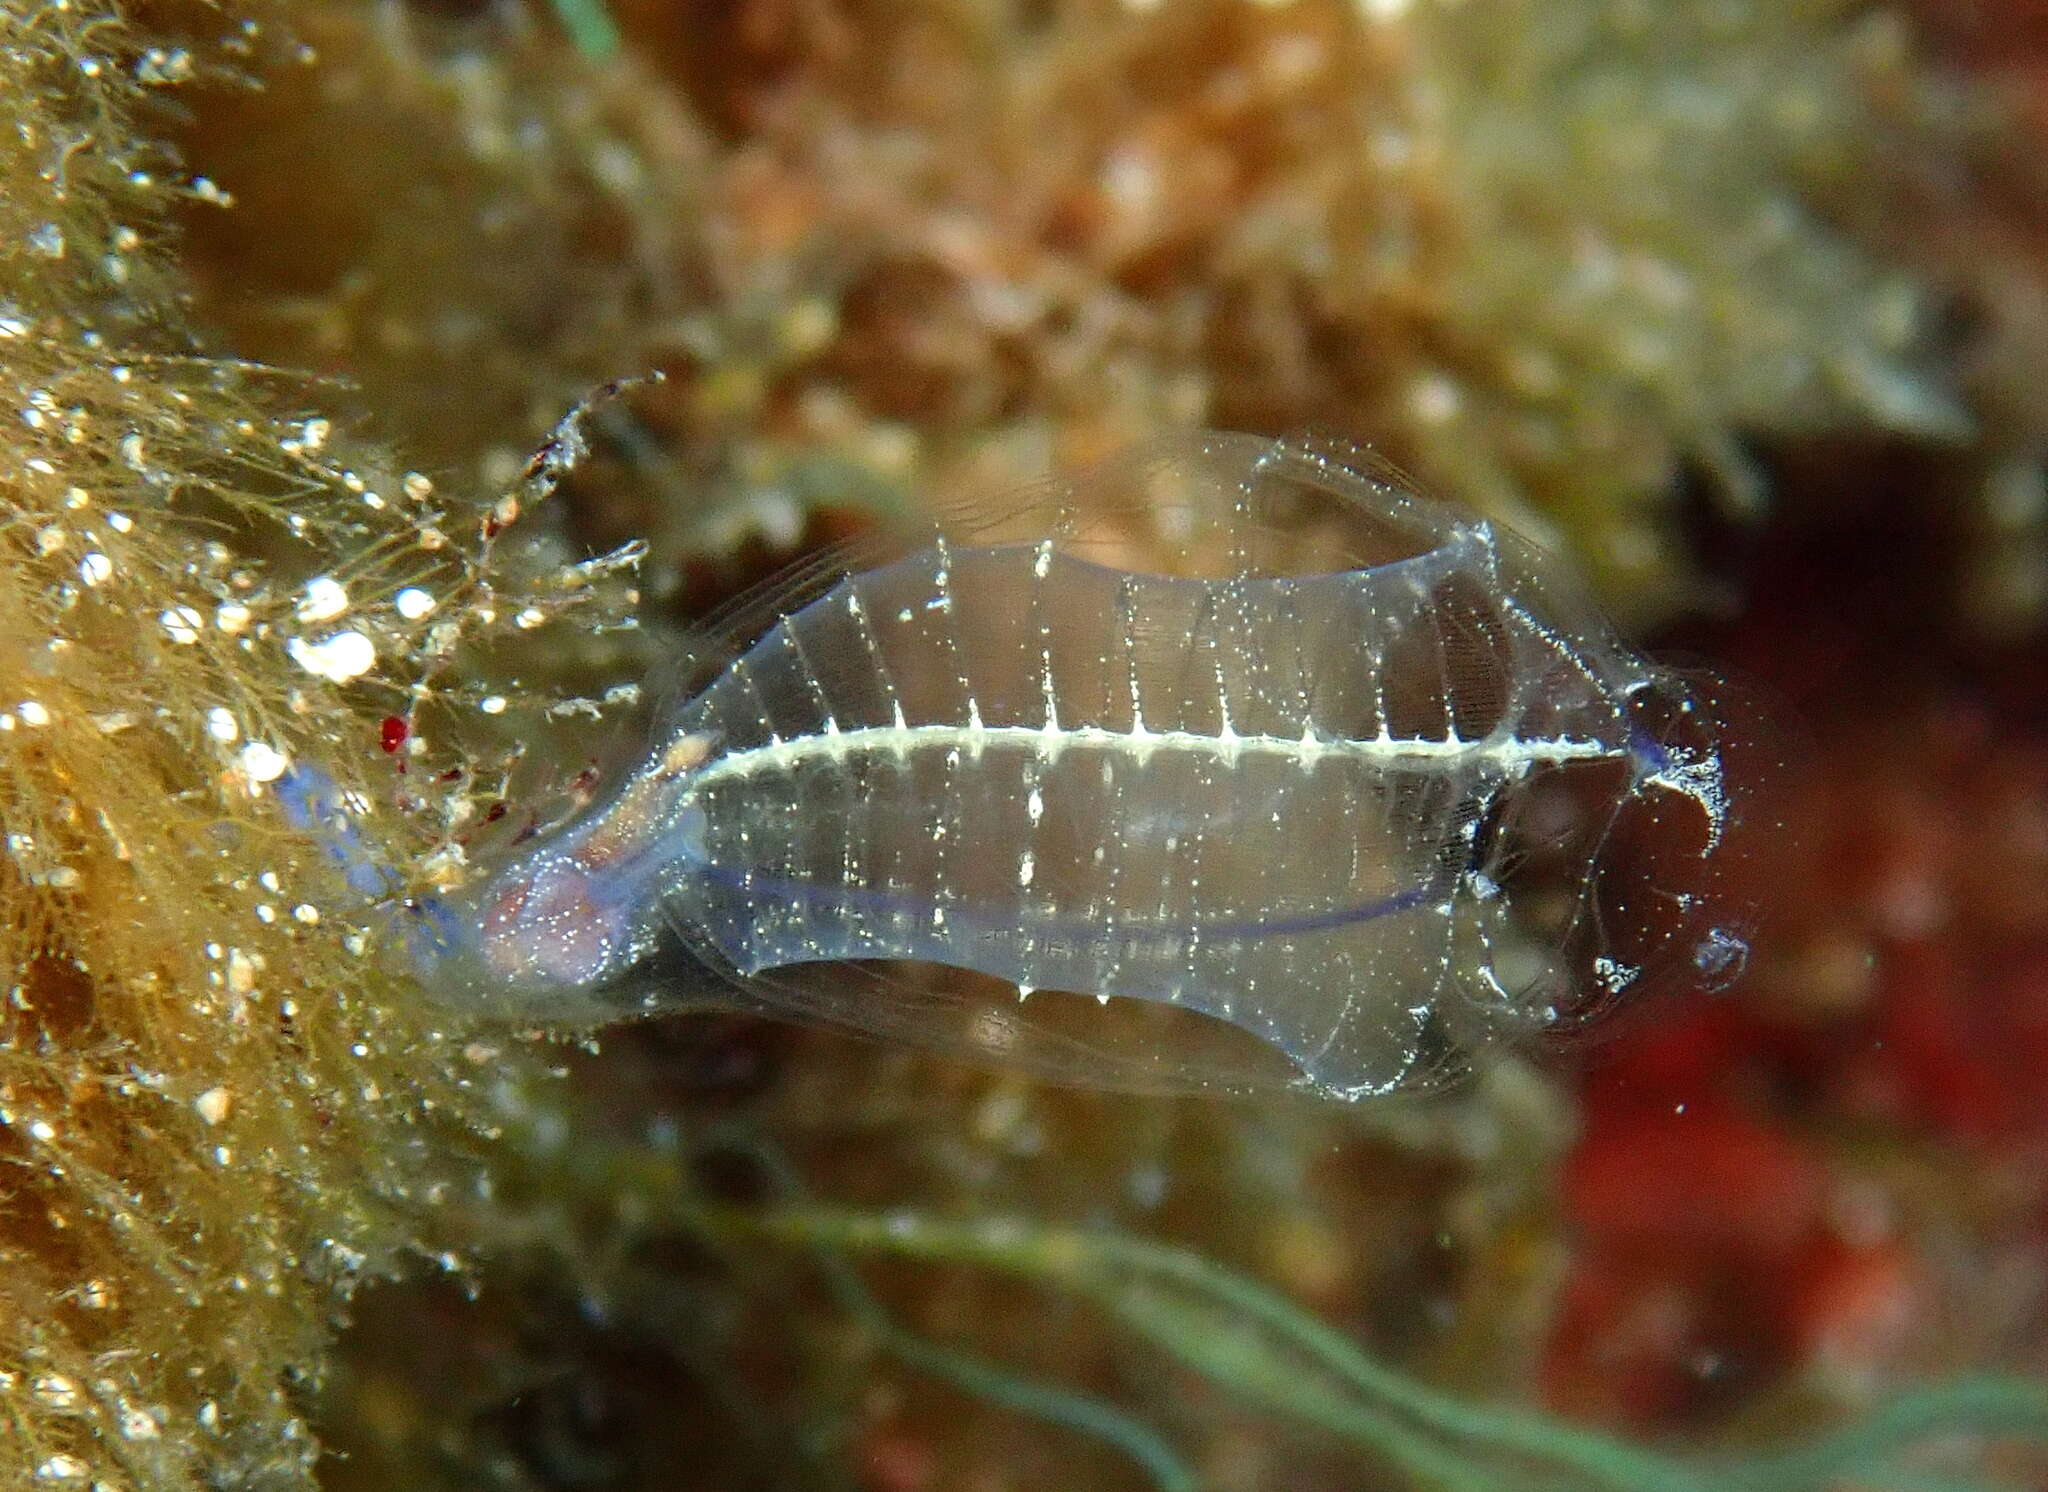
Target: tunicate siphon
{"type": "Point", "coordinates": [1305, 779]}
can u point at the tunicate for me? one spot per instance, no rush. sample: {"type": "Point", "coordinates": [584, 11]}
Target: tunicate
{"type": "Point", "coordinates": [1347, 783]}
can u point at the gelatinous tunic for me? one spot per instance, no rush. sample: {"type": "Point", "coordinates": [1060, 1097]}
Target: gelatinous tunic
{"type": "Point", "coordinates": [1235, 727]}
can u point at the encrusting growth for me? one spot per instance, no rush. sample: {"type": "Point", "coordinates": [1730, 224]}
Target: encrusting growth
{"type": "Point", "coordinates": [213, 1121]}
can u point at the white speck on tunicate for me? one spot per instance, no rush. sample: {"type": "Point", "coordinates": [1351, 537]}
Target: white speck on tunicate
{"type": "Point", "coordinates": [325, 598]}
{"type": "Point", "coordinates": [262, 763]}
{"type": "Point", "coordinates": [222, 725]}
{"type": "Point", "coordinates": [213, 1104]}
{"type": "Point", "coordinates": [413, 603]}
{"type": "Point", "coordinates": [306, 912]}
{"type": "Point", "coordinates": [32, 713]}
{"type": "Point", "coordinates": [231, 617]}
{"type": "Point", "coordinates": [62, 1468]}
{"type": "Point", "coordinates": [492, 704]}
{"type": "Point", "coordinates": [94, 568]}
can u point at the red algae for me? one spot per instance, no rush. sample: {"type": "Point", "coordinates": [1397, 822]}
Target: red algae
{"type": "Point", "coordinates": [1835, 1179]}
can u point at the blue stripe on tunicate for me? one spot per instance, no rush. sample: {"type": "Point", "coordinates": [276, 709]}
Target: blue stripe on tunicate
{"type": "Point", "coordinates": [889, 903]}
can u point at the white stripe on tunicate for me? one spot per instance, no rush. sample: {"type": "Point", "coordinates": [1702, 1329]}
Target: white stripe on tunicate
{"type": "Point", "coordinates": [1506, 757]}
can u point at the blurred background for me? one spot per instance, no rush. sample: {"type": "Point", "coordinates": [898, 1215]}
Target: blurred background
{"type": "Point", "coordinates": [1740, 304]}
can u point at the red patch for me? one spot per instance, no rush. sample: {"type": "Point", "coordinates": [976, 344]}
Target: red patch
{"type": "Point", "coordinates": [1709, 1179]}
{"type": "Point", "coordinates": [1856, 1306]}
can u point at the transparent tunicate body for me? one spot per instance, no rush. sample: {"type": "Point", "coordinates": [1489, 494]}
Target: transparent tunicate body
{"type": "Point", "coordinates": [1308, 781]}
